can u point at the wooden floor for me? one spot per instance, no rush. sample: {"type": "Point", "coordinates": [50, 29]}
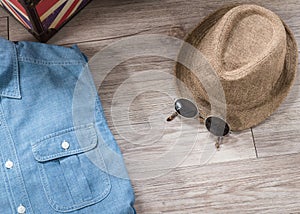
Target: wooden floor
{"type": "Point", "coordinates": [174, 167]}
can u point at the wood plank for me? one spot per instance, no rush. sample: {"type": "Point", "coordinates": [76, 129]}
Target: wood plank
{"type": "Point", "coordinates": [266, 185]}
{"type": "Point", "coordinates": [3, 27]}
{"type": "Point", "coordinates": [103, 20]}
{"type": "Point", "coordinates": [110, 20]}
{"type": "Point", "coordinates": [279, 134]}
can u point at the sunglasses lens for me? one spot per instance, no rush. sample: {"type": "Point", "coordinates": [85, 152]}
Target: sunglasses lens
{"type": "Point", "coordinates": [186, 108]}
{"type": "Point", "coordinates": [217, 126]}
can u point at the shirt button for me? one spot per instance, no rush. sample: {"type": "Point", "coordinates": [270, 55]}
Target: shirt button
{"type": "Point", "coordinates": [21, 209]}
{"type": "Point", "coordinates": [65, 145]}
{"type": "Point", "coordinates": [9, 164]}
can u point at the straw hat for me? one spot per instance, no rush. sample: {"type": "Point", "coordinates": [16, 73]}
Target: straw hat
{"type": "Point", "coordinates": [255, 57]}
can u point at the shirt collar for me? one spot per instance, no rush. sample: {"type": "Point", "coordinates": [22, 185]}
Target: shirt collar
{"type": "Point", "coordinates": [9, 70]}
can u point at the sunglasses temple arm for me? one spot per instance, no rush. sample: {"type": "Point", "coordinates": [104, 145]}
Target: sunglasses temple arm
{"type": "Point", "coordinates": [218, 142]}
{"type": "Point", "coordinates": [170, 118]}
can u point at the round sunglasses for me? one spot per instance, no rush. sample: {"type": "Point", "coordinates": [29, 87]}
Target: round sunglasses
{"type": "Point", "coordinates": [215, 125]}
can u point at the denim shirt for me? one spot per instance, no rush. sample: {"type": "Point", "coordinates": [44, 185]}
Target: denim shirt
{"type": "Point", "coordinates": [44, 166]}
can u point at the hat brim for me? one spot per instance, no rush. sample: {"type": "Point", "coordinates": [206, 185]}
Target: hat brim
{"type": "Point", "coordinates": [240, 120]}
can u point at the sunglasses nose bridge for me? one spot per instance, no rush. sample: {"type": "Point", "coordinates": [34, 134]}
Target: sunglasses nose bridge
{"type": "Point", "coordinates": [186, 108]}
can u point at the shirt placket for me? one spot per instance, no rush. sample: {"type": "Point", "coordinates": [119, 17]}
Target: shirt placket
{"type": "Point", "coordinates": [14, 182]}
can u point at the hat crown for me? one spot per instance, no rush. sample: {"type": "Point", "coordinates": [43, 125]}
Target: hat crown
{"type": "Point", "coordinates": [247, 48]}
{"type": "Point", "coordinates": [247, 32]}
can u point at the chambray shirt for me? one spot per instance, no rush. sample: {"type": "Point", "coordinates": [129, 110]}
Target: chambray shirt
{"type": "Point", "coordinates": [53, 159]}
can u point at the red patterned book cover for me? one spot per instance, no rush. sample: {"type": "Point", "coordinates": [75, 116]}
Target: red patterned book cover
{"type": "Point", "coordinates": [52, 14]}
{"type": "Point", "coordinates": [55, 12]}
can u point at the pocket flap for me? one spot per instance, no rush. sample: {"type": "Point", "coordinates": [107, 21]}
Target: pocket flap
{"type": "Point", "coordinates": [67, 142]}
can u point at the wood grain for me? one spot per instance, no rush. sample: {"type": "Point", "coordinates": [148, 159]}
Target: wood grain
{"type": "Point", "coordinates": [108, 20]}
{"type": "Point", "coordinates": [279, 134]}
{"type": "Point", "coordinates": [3, 27]}
{"type": "Point", "coordinates": [266, 185]}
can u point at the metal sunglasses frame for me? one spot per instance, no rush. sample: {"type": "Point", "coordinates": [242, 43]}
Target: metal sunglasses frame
{"type": "Point", "coordinates": [206, 120]}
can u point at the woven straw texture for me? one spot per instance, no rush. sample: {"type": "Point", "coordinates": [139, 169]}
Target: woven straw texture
{"type": "Point", "coordinates": [254, 55]}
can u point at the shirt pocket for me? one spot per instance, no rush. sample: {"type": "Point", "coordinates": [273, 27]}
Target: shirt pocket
{"type": "Point", "coordinates": [70, 179]}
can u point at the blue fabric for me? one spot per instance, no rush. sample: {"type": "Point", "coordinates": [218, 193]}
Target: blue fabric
{"type": "Point", "coordinates": [59, 165]}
